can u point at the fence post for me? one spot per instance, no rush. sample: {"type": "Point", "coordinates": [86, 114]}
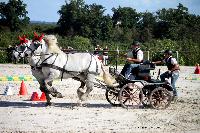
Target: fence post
{"type": "Point", "coordinates": [177, 56]}
{"type": "Point", "coordinates": [117, 57]}
{"type": "Point", "coordinates": [147, 55]}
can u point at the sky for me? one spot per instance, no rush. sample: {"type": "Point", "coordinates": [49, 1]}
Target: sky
{"type": "Point", "coordinates": [46, 10]}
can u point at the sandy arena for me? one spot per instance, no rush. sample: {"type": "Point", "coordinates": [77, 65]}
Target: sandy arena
{"type": "Point", "coordinates": [19, 114]}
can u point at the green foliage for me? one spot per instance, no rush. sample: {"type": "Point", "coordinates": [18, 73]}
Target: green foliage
{"type": "Point", "coordinates": [3, 57]}
{"type": "Point", "coordinates": [127, 17]}
{"type": "Point", "coordinates": [77, 42]}
{"type": "Point", "coordinates": [13, 15]}
{"type": "Point", "coordinates": [71, 17]}
{"type": "Point", "coordinates": [83, 26]}
{"type": "Point", "coordinates": [81, 43]}
{"type": "Point", "coordinates": [79, 19]}
{"type": "Point", "coordinates": [8, 38]}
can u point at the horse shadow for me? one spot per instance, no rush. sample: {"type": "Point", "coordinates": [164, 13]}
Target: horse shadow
{"type": "Point", "coordinates": [24, 104]}
{"type": "Point", "coordinates": [88, 105]}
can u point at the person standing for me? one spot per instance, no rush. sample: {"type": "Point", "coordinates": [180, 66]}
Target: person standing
{"type": "Point", "coordinates": [97, 52]}
{"type": "Point", "coordinates": [10, 56]}
{"type": "Point", "coordinates": [105, 56]}
{"type": "Point", "coordinates": [172, 72]}
{"type": "Point", "coordinates": [133, 59]}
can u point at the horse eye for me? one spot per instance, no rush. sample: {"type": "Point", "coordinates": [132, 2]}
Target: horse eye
{"type": "Point", "coordinates": [36, 45]}
{"type": "Point", "coordinates": [23, 47]}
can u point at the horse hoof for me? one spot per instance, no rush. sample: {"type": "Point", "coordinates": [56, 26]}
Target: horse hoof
{"type": "Point", "coordinates": [59, 95]}
{"type": "Point", "coordinates": [84, 104]}
{"type": "Point", "coordinates": [53, 94]}
{"type": "Point", "coordinates": [81, 104]}
{"type": "Point", "coordinates": [83, 97]}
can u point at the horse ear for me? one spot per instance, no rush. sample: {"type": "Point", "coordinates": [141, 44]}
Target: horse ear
{"type": "Point", "coordinates": [41, 37]}
{"type": "Point", "coordinates": [24, 39]}
{"type": "Point", "coordinates": [20, 38]}
{"type": "Point", "coordinates": [35, 34]}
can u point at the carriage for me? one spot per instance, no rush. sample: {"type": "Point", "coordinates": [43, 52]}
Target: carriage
{"type": "Point", "coordinates": [49, 62]}
{"type": "Point", "coordinates": [142, 91]}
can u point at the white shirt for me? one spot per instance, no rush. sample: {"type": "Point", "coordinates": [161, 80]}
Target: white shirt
{"type": "Point", "coordinates": [173, 62]}
{"type": "Point", "coordinates": [139, 55]}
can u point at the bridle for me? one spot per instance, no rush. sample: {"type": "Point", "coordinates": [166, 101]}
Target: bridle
{"type": "Point", "coordinates": [20, 51]}
{"type": "Point", "coordinates": [33, 50]}
{"type": "Point", "coordinates": [34, 54]}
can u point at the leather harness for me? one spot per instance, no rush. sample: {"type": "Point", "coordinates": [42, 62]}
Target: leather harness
{"type": "Point", "coordinates": [63, 68]}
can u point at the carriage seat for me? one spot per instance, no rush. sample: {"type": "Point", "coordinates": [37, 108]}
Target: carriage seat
{"type": "Point", "coordinates": [155, 81]}
{"type": "Point", "coordinates": [143, 70]}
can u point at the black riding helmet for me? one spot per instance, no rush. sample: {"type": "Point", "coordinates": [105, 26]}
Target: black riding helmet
{"type": "Point", "coordinates": [169, 52]}
{"type": "Point", "coordinates": [136, 43]}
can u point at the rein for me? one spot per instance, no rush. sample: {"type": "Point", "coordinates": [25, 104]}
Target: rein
{"type": "Point", "coordinates": [19, 52]}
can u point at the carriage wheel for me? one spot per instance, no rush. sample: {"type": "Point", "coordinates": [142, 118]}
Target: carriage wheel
{"type": "Point", "coordinates": [160, 98]}
{"type": "Point", "coordinates": [112, 97]}
{"type": "Point", "coordinates": [130, 96]}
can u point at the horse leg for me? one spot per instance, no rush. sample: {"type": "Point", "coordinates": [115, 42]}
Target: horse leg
{"type": "Point", "coordinates": [37, 73]}
{"type": "Point", "coordinates": [54, 91]}
{"type": "Point", "coordinates": [80, 90]}
{"type": "Point", "coordinates": [48, 84]}
{"type": "Point", "coordinates": [46, 92]}
{"type": "Point", "coordinates": [89, 85]}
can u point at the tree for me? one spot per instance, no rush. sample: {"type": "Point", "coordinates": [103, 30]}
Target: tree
{"type": "Point", "coordinates": [79, 19]}
{"type": "Point", "coordinates": [13, 15]}
{"type": "Point", "coordinates": [127, 16]}
{"type": "Point", "coordinates": [146, 26]}
{"type": "Point", "coordinates": [94, 20]}
{"type": "Point", "coordinates": [71, 17]}
{"type": "Point", "coordinates": [173, 22]}
{"type": "Point", "coordinates": [125, 21]}
{"type": "Point", "coordinates": [106, 28]}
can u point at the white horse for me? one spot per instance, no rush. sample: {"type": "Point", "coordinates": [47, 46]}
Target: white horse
{"type": "Point", "coordinates": [55, 64]}
{"type": "Point", "coordinates": [18, 52]}
{"type": "Point", "coordinates": [34, 62]}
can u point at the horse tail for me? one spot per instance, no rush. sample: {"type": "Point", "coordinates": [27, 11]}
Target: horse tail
{"type": "Point", "coordinates": [108, 79]}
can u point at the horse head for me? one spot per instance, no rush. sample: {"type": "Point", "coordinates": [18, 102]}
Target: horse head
{"type": "Point", "coordinates": [19, 51]}
{"type": "Point", "coordinates": [36, 46]}
{"type": "Point", "coordinates": [44, 45]}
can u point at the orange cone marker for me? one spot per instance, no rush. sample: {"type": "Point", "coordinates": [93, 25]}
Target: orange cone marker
{"type": "Point", "coordinates": [34, 97]}
{"type": "Point", "coordinates": [43, 97]}
{"type": "Point", "coordinates": [197, 70]}
{"type": "Point", "coordinates": [23, 90]}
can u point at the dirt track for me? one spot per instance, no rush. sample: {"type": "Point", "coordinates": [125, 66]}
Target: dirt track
{"type": "Point", "coordinates": [18, 113]}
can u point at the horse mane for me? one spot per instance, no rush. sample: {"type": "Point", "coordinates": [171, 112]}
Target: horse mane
{"type": "Point", "coordinates": [52, 42]}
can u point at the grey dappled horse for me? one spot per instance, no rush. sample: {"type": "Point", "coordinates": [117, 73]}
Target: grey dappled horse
{"type": "Point", "coordinates": [83, 67]}
{"type": "Point", "coordinates": [34, 62]}
{"type": "Point", "coordinates": [18, 51]}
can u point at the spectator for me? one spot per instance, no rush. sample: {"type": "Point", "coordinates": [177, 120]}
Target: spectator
{"type": "Point", "coordinates": [105, 56]}
{"type": "Point", "coordinates": [97, 52]}
{"type": "Point", "coordinates": [173, 70]}
{"type": "Point", "coordinates": [10, 56]}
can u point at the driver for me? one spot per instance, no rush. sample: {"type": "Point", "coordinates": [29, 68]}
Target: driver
{"type": "Point", "coordinates": [133, 59]}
